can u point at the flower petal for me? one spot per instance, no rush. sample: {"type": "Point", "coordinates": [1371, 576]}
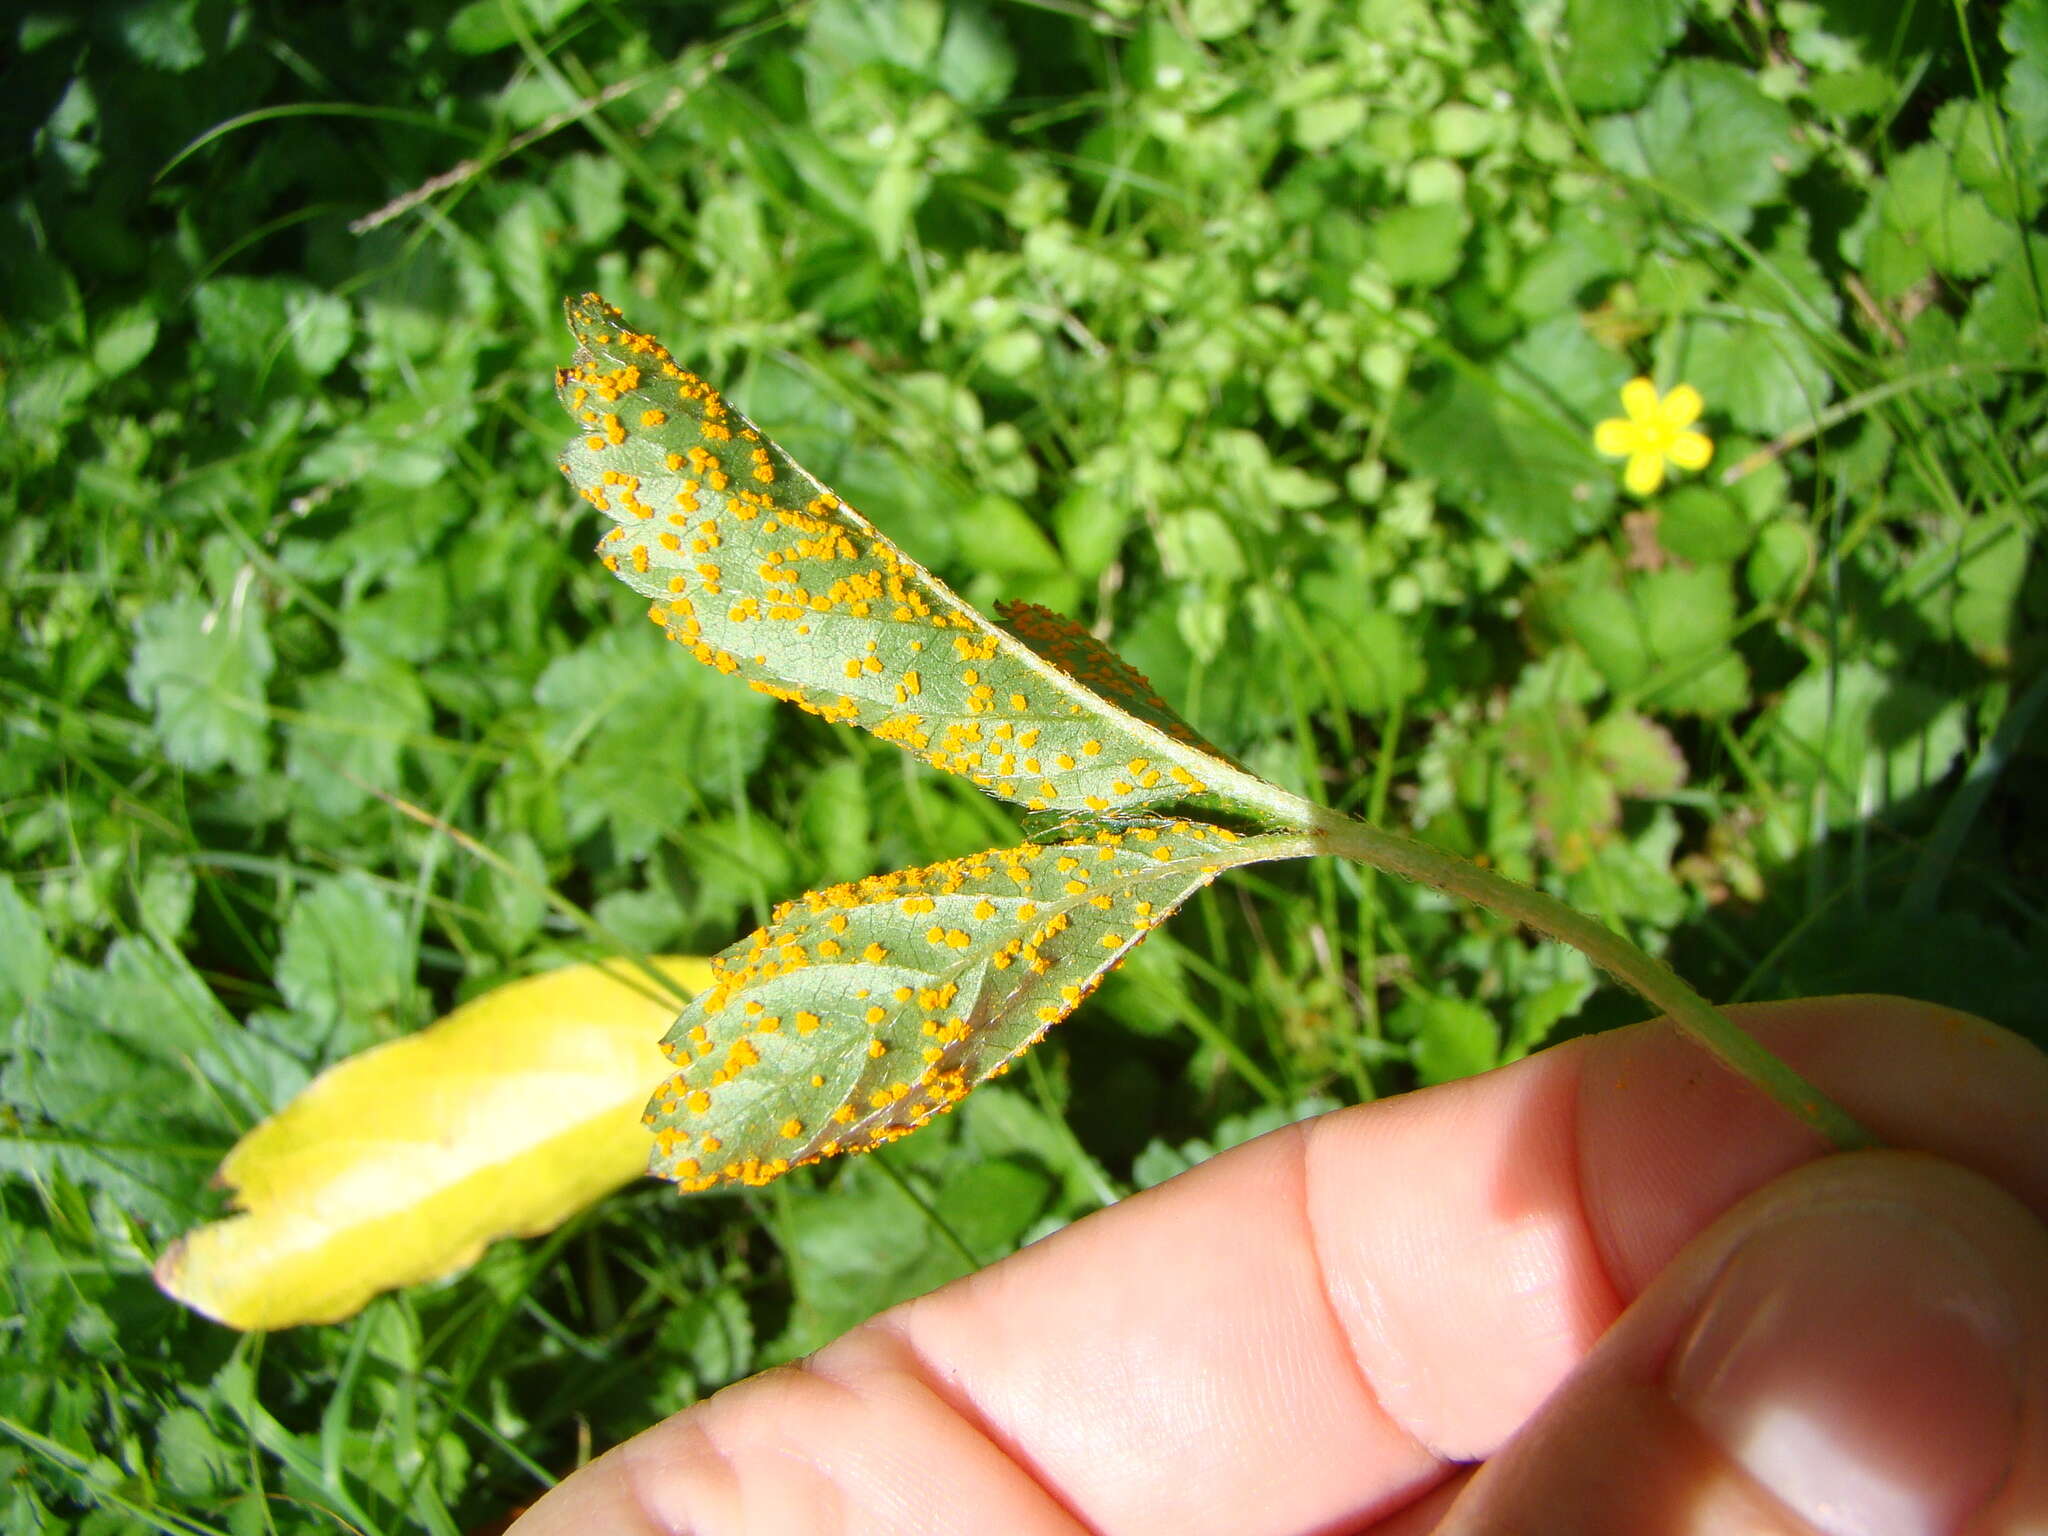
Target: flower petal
{"type": "Point", "coordinates": [1690, 450]}
{"type": "Point", "coordinates": [1615, 438]}
{"type": "Point", "coordinates": [1680, 408]}
{"type": "Point", "coordinates": [1639, 399]}
{"type": "Point", "coordinates": [1644, 474]}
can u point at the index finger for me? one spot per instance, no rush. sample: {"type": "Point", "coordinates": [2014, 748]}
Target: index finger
{"type": "Point", "coordinates": [1312, 1329]}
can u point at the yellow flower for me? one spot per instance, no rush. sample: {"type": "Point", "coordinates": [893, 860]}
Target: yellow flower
{"type": "Point", "coordinates": [1655, 429]}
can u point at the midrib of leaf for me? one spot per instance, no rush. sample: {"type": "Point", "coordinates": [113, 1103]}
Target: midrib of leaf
{"type": "Point", "coordinates": [761, 571]}
{"type": "Point", "coordinates": [862, 1010]}
{"type": "Point", "coordinates": [705, 507]}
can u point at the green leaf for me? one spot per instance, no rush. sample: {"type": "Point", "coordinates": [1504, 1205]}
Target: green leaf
{"type": "Point", "coordinates": [2005, 318]}
{"type": "Point", "coordinates": [1688, 622]}
{"type": "Point", "coordinates": [596, 705]}
{"type": "Point", "coordinates": [201, 672]}
{"type": "Point", "coordinates": [123, 339]}
{"type": "Point", "coordinates": [356, 722]}
{"type": "Point", "coordinates": [862, 1010]}
{"type": "Point", "coordinates": [195, 1462]}
{"type": "Point", "coordinates": [991, 1204]}
{"type": "Point", "coordinates": [1764, 377]}
{"type": "Point", "coordinates": [161, 33]}
{"type": "Point", "coordinates": [1781, 561]}
{"type": "Point", "coordinates": [1452, 1038]}
{"type": "Point", "coordinates": [25, 957]}
{"type": "Point", "coordinates": [854, 1251]}
{"type": "Point", "coordinates": [509, 904]}
{"type": "Point", "coordinates": [1702, 526]}
{"type": "Point", "coordinates": [975, 65]}
{"type": "Point", "coordinates": [1007, 541]}
{"type": "Point", "coordinates": [760, 571]}
{"type": "Point", "coordinates": [1710, 139]}
{"type": "Point", "coordinates": [345, 965]}
{"type": "Point", "coordinates": [713, 1333]}
{"type": "Point", "coordinates": [2024, 31]}
{"type": "Point", "coordinates": [848, 35]}
{"type": "Point", "coordinates": [1159, 1162]}
{"type": "Point", "coordinates": [1214, 20]}
{"type": "Point", "coordinates": [1639, 755]}
{"type": "Point", "coordinates": [1865, 736]}
{"type": "Point", "coordinates": [594, 187]}
{"type": "Point", "coordinates": [1759, 365]}
{"type": "Point", "coordinates": [407, 617]}
{"type": "Point", "coordinates": [1091, 524]}
{"type": "Point", "coordinates": [836, 816]}
{"type": "Point", "coordinates": [1421, 245]}
{"type": "Point", "coordinates": [1376, 657]}
{"type": "Point", "coordinates": [321, 327]}
{"type": "Point", "coordinates": [116, 1072]}
{"type": "Point", "coordinates": [1928, 218]}
{"type": "Point", "coordinates": [1665, 632]}
{"type": "Point", "coordinates": [1578, 775]}
{"type": "Point", "coordinates": [1197, 544]}
{"type": "Point", "coordinates": [1590, 241]}
{"type": "Point", "coordinates": [252, 329]}
{"type": "Point", "coordinates": [1615, 48]}
{"type": "Point", "coordinates": [484, 26]}
{"type": "Point", "coordinates": [1502, 449]}
{"type": "Point", "coordinates": [1974, 589]}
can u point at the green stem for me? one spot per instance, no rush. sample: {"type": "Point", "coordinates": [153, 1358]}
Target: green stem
{"type": "Point", "coordinates": [1655, 981]}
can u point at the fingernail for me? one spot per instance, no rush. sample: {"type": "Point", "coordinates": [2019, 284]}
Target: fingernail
{"type": "Point", "coordinates": [1860, 1362]}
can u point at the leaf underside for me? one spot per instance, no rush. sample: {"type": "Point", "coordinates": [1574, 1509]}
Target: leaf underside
{"type": "Point", "coordinates": [862, 1010]}
{"type": "Point", "coordinates": [1079, 654]}
{"type": "Point", "coordinates": [760, 571]}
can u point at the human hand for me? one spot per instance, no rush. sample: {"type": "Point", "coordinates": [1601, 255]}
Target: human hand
{"type": "Point", "coordinates": [1609, 1288]}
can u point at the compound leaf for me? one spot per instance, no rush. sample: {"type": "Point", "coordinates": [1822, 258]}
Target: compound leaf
{"type": "Point", "coordinates": [862, 1010]}
{"type": "Point", "coordinates": [760, 571]}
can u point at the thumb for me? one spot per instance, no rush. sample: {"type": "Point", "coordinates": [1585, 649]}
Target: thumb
{"type": "Point", "coordinates": [1860, 1349]}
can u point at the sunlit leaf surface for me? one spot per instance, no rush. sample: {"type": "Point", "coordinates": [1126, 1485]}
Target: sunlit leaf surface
{"type": "Point", "coordinates": [758, 570]}
{"type": "Point", "coordinates": [862, 1010]}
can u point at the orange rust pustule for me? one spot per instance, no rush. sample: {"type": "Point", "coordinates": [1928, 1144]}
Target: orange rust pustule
{"type": "Point", "coordinates": [863, 1009]}
{"type": "Point", "coordinates": [758, 570]}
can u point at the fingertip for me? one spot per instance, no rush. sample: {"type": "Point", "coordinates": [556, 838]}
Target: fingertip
{"type": "Point", "coordinates": [1862, 1347]}
{"type": "Point", "coordinates": [1858, 1360]}
{"type": "Point", "coordinates": [859, 1436]}
{"type": "Point", "coordinates": [1917, 1074]}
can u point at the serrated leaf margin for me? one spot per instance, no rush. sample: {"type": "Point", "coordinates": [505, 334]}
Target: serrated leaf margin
{"type": "Point", "coordinates": [862, 1010]}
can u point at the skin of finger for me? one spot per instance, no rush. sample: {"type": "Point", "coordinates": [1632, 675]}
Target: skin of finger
{"type": "Point", "coordinates": [1303, 1332]}
{"type": "Point", "coordinates": [1583, 1182]}
{"type": "Point", "coordinates": [773, 1454]}
{"type": "Point", "coordinates": [1612, 1452]}
{"type": "Point", "coordinates": [1917, 1076]}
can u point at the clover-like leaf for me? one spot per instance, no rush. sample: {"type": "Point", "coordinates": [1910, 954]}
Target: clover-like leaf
{"type": "Point", "coordinates": [864, 1009]}
{"type": "Point", "coordinates": [760, 571]}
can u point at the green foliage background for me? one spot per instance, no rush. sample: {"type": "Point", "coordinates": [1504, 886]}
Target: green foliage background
{"type": "Point", "coordinates": [1267, 339]}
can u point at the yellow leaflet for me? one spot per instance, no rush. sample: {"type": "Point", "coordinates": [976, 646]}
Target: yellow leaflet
{"type": "Point", "coordinates": [758, 570]}
{"type": "Point", "coordinates": [401, 1163]}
